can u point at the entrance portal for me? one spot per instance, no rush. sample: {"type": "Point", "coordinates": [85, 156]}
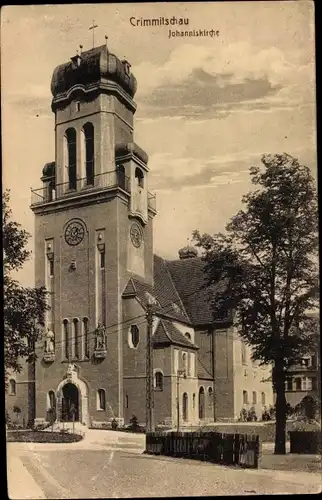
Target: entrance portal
{"type": "Point", "coordinates": [70, 403]}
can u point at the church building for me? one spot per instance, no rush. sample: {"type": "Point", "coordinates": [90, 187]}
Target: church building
{"type": "Point", "coordinates": [94, 253]}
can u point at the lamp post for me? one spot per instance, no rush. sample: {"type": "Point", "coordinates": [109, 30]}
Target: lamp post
{"type": "Point", "coordinates": [179, 373]}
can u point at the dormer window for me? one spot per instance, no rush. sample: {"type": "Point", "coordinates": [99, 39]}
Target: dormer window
{"type": "Point", "coordinates": [76, 61]}
{"type": "Point", "coordinates": [151, 299]}
{"type": "Point", "coordinates": [176, 308]}
{"type": "Point", "coordinates": [127, 67]}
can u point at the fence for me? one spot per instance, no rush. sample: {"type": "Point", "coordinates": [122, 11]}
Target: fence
{"type": "Point", "coordinates": [226, 449]}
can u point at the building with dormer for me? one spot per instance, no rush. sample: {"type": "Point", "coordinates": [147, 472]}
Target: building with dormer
{"type": "Point", "coordinates": [94, 253]}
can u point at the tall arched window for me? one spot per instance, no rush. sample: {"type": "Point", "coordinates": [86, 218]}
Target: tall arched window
{"type": "Point", "coordinates": [245, 397]}
{"type": "Point", "coordinates": [201, 403]}
{"type": "Point", "coordinates": [12, 387]}
{"type": "Point", "coordinates": [121, 176]}
{"type": "Point", "coordinates": [85, 337]}
{"type": "Point", "coordinates": [88, 130]}
{"type": "Point", "coordinates": [101, 403]}
{"type": "Point", "coordinates": [71, 158]}
{"type": "Point", "coordinates": [51, 402]}
{"type": "Point", "coordinates": [75, 338]}
{"type": "Point", "coordinates": [185, 406]}
{"type": "Point", "coordinates": [66, 338]}
{"type": "Point", "coordinates": [263, 398]}
{"type": "Point", "coordinates": [158, 380]}
{"type": "Point", "coordinates": [254, 397]}
{"type": "Point", "coordinates": [193, 401]}
{"type": "Point", "coordinates": [184, 362]}
{"type": "Point", "coordinates": [134, 336]}
{"type": "Point", "coordinates": [210, 397]}
{"type": "Point", "coordinates": [139, 177]}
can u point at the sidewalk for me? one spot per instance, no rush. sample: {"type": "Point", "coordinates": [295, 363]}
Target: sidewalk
{"type": "Point", "coordinates": [289, 462]}
{"type": "Point", "coordinates": [21, 484]}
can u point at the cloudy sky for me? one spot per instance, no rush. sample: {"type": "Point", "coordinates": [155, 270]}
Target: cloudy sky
{"type": "Point", "coordinates": [207, 107]}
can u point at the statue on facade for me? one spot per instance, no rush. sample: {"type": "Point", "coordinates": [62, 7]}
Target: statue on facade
{"type": "Point", "coordinates": [50, 341]}
{"type": "Point", "coordinates": [71, 369]}
{"type": "Point", "coordinates": [100, 336]}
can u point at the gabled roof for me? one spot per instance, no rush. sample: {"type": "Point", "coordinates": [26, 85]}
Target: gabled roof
{"type": "Point", "coordinates": [168, 302]}
{"type": "Point", "coordinates": [189, 278]}
{"type": "Point", "coordinates": [166, 333]}
{"type": "Point", "coordinates": [180, 291]}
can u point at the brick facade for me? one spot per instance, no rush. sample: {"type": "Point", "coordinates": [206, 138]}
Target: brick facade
{"type": "Point", "coordinates": [200, 367]}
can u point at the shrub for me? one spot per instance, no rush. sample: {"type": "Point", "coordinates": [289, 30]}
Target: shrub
{"type": "Point", "coordinates": [43, 437]}
{"type": "Point", "coordinates": [114, 424]}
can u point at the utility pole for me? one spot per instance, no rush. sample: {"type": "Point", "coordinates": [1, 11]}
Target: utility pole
{"type": "Point", "coordinates": [149, 372]}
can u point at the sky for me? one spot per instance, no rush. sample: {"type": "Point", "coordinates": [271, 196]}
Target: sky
{"type": "Point", "coordinates": [208, 107]}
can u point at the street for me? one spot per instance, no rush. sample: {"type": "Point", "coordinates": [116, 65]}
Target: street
{"type": "Point", "coordinates": [115, 467]}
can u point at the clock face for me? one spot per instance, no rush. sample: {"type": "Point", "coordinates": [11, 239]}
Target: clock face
{"type": "Point", "coordinates": [74, 233]}
{"type": "Point", "coordinates": [136, 235]}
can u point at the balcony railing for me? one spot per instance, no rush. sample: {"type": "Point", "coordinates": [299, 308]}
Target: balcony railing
{"type": "Point", "coordinates": [106, 180]}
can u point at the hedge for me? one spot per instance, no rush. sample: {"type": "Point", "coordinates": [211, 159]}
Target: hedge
{"type": "Point", "coordinates": [42, 437]}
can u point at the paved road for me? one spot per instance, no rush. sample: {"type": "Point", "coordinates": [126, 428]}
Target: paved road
{"type": "Point", "coordinates": [111, 470]}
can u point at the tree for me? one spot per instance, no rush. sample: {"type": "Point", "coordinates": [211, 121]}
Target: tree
{"type": "Point", "coordinates": [24, 308]}
{"type": "Point", "coordinates": [267, 259]}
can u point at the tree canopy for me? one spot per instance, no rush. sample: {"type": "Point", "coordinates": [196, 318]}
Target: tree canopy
{"type": "Point", "coordinates": [24, 308]}
{"type": "Point", "coordinates": [268, 256]}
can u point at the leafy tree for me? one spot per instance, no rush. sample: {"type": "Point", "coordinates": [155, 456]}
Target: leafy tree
{"type": "Point", "coordinates": [267, 260]}
{"type": "Point", "coordinates": [24, 308]}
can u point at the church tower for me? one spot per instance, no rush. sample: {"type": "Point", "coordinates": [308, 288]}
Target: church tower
{"type": "Point", "coordinates": [93, 231]}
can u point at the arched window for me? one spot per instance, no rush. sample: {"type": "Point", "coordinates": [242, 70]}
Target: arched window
{"type": "Point", "coordinates": [85, 338]}
{"type": "Point", "coordinates": [263, 398]}
{"type": "Point", "coordinates": [254, 397]}
{"type": "Point", "coordinates": [139, 177]}
{"type": "Point", "coordinates": [51, 402]}
{"type": "Point", "coordinates": [184, 362]}
{"type": "Point", "coordinates": [120, 170]}
{"type": "Point", "coordinates": [187, 334]}
{"type": "Point", "coordinates": [193, 401]}
{"type": "Point", "coordinates": [185, 406]}
{"type": "Point", "coordinates": [51, 192]}
{"type": "Point", "coordinates": [88, 131]}
{"type": "Point", "coordinates": [101, 403]}
{"type": "Point", "coordinates": [201, 403]}
{"type": "Point", "coordinates": [12, 387]}
{"type": "Point", "coordinates": [75, 338]}
{"type": "Point", "coordinates": [66, 338]}
{"type": "Point", "coordinates": [158, 380]}
{"type": "Point", "coordinates": [71, 158]}
{"type": "Point", "coordinates": [245, 397]}
{"type": "Point", "coordinates": [134, 337]}
{"type": "Point", "coordinates": [210, 396]}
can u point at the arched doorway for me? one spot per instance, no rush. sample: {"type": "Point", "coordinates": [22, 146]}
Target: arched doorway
{"type": "Point", "coordinates": [70, 403]}
{"type": "Point", "coordinates": [201, 403]}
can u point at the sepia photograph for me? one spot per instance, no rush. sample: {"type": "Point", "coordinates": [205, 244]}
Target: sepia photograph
{"type": "Point", "coordinates": [160, 249]}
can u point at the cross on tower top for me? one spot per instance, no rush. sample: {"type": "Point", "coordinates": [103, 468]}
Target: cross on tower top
{"type": "Point", "coordinates": [93, 27]}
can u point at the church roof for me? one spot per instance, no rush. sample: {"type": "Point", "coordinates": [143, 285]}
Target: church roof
{"type": "Point", "coordinates": [90, 67]}
{"type": "Point", "coordinates": [179, 291]}
{"type": "Point", "coordinates": [189, 278]}
{"type": "Point", "coordinates": [167, 333]}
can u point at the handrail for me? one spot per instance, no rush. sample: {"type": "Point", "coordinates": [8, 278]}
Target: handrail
{"type": "Point", "coordinates": [105, 180]}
